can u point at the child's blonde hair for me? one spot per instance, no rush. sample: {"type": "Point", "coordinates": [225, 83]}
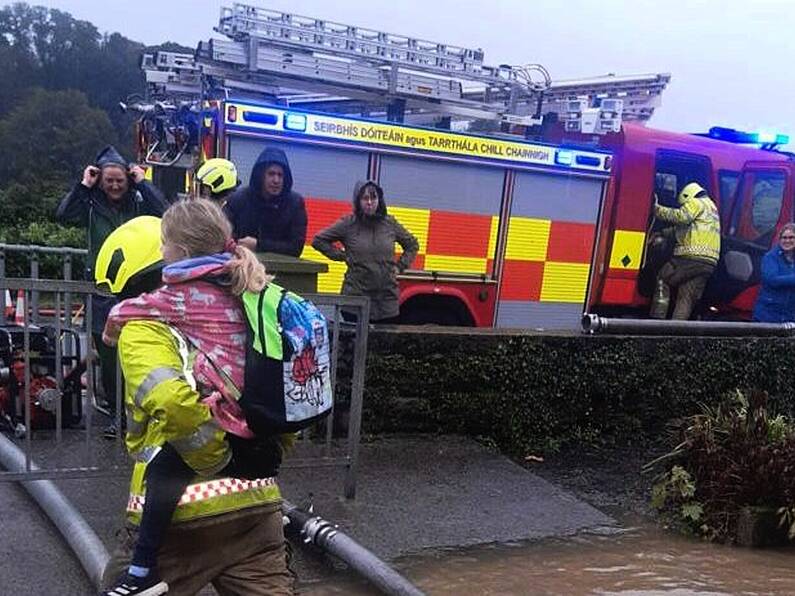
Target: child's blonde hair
{"type": "Point", "coordinates": [199, 227]}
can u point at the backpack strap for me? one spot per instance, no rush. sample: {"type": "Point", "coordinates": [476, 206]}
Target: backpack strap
{"type": "Point", "coordinates": [262, 311]}
{"type": "Point", "coordinates": [188, 352]}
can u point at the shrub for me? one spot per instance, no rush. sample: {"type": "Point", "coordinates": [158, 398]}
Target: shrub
{"type": "Point", "coordinates": [731, 457]}
{"type": "Point", "coordinates": [529, 392]}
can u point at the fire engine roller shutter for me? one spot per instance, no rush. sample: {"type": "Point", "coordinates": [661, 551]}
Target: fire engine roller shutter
{"type": "Point", "coordinates": [549, 251]}
{"type": "Point", "coordinates": [324, 177]}
{"type": "Point", "coordinates": [452, 209]}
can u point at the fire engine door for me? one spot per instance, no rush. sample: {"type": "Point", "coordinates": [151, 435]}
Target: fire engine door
{"type": "Point", "coordinates": [673, 170]}
{"type": "Point", "coordinates": [761, 205]}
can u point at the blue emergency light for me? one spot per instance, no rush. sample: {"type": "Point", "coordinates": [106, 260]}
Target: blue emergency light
{"type": "Point", "coordinates": [260, 117]}
{"type": "Point", "coordinates": [588, 160]}
{"type": "Point", "coordinates": [564, 158]}
{"type": "Point", "coordinates": [771, 138]}
{"type": "Point", "coordinates": [296, 122]}
{"type": "Point", "coordinates": [753, 138]}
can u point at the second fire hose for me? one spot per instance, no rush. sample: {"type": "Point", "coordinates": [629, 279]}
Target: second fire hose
{"type": "Point", "coordinates": [594, 324]}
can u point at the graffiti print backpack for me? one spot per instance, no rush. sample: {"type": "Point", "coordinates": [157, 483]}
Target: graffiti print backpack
{"type": "Point", "coordinates": [287, 377]}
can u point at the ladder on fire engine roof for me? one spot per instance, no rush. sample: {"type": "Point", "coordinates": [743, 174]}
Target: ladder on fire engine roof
{"type": "Point", "coordinates": [307, 61]}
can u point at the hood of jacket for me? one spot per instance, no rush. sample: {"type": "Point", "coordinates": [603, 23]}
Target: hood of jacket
{"type": "Point", "coordinates": [109, 156]}
{"type": "Point", "coordinates": [270, 156]}
{"type": "Point", "coordinates": [380, 211]}
{"type": "Point", "coordinates": [203, 267]}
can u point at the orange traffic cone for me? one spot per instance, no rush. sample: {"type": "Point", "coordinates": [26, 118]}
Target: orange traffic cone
{"type": "Point", "coordinates": [77, 319]}
{"type": "Point", "coordinates": [19, 315]}
{"type": "Point", "coordinates": [8, 306]}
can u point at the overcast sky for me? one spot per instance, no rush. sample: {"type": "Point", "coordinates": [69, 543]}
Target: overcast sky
{"type": "Point", "coordinates": [731, 60]}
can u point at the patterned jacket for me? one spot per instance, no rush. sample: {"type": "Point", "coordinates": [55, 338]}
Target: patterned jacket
{"type": "Point", "coordinates": [196, 303]}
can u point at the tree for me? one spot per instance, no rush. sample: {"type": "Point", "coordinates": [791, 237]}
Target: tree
{"type": "Point", "coordinates": [53, 134]}
{"type": "Point", "coordinates": [117, 75]}
{"type": "Point", "coordinates": [35, 201]}
{"type": "Point", "coordinates": [59, 105]}
{"type": "Point", "coordinates": [17, 59]}
{"type": "Point", "coordinates": [41, 47]}
{"type": "Point", "coordinates": [169, 46]}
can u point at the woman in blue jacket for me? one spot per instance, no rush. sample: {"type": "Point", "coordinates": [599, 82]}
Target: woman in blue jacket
{"type": "Point", "coordinates": [776, 301]}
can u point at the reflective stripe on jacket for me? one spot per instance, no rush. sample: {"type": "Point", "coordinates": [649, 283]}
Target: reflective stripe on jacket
{"type": "Point", "coordinates": [206, 497]}
{"type": "Point", "coordinates": [163, 406]}
{"type": "Point", "coordinates": [697, 228]}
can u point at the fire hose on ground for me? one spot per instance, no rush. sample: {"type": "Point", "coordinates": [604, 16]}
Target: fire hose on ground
{"type": "Point", "coordinates": [594, 324]}
{"type": "Point", "coordinates": [93, 555]}
{"type": "Point", "coordinates": [78, 534]}
{"type": "Point", "coordinates": [325, 535]}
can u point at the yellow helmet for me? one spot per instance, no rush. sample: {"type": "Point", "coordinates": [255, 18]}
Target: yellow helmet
{"type": "Point", "coordinates": [218, 174]}
{"type": "Point", "coordinates": [130, 251]}
{"type": "Point", "coordinates": [691, 190]}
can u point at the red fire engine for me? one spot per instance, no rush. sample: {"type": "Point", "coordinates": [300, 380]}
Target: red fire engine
{"type": "Point", "coordinates": [514, 233]}
{"type": "Point", "coordinates": [506, 227]}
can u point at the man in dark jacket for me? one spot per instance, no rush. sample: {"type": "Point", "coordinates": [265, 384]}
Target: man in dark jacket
{"type": "Point", "coordinates": [267, 216]}
{"type": "Point", "coordinates": [109, 194]}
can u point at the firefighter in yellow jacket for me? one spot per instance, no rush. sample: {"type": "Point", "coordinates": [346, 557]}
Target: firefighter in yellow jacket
{"type": "Point", "coordinates": [225, 531]}
{"type": "Point", "coordinates": [696, 232]}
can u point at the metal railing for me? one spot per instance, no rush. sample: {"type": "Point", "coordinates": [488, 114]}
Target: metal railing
{"type": "Point", "coordinates": [33, 254]}
{"type": "Point", "coordinates": [37, 361]}
{"type": "Point", "coordinates": [357, 334]}
{"type": "Point", "coordinates": [42, 363]}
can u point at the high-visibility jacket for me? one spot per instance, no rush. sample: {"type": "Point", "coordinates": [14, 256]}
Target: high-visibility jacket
{"type": "Point", "coordinates": [163, 406]}
{"type": "Point", "coordinates": [697, 228]}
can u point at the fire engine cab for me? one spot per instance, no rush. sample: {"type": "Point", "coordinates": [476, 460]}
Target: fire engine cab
{"type": "Point", "coordinates": [752, 188]}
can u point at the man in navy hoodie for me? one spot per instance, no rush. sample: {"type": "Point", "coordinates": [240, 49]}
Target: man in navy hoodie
{"type": "Point", "coordinates": [267, 216]}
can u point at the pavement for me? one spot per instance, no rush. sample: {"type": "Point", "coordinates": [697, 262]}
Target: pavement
{"type": "Point", "coordinates": [419, 492]}
{"type": "Point", "coordinates": [415, 495]}
{"type": "Point", "coordinates": [35, 559]}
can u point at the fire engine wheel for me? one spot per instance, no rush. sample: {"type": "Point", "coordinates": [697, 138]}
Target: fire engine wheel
{"type": "Point", "coordinates": [441, 310]}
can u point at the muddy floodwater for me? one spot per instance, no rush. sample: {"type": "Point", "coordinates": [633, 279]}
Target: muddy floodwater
{"type": "Point", "coordinates": [640, 561]}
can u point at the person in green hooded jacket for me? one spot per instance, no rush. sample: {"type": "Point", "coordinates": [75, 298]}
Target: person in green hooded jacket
{"type": "Point", "coordinates": [365, 241]}
{"type": "Point", "coordinates": [110, 193]}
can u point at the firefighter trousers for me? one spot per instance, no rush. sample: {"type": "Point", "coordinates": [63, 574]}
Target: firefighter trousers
{"type": "Point", "coordinates": [108, 359]}
{"type": "Point", "coordinates": [690, 277]}
{"type": "Point", "coordinates": [241, 554]}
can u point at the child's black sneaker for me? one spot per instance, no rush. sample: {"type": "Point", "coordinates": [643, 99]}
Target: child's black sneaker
{"type": "Point", "coordinates": [130, 585]}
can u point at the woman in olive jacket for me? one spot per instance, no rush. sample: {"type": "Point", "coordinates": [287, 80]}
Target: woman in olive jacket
{"type": "Point", "coordinates": [368, 239]}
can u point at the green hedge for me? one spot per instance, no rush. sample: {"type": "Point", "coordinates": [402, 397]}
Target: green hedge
{"type": "Point", "coordinates": [536, 392]}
